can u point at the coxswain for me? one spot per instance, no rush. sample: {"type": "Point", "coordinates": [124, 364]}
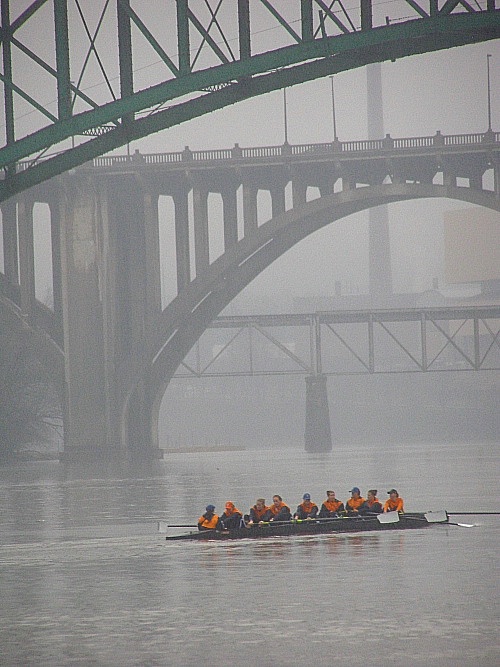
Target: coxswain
{"type": "Point", "coordinates": [306, 509]}
{"type": "Point", "coordinates": [231, 518]}
{"type": "Point", "coordinates": [372, 504]}
{"type": "Point", "coordinates": [394, 502]}
{"type": "Point", "coordinates": [331, 506]}
{"type": "Point", "coordinates": [209, 520]}
{"type": "Point", "coordinates": [259, 512]}
{"type": "Point", "coordinates": [278, 510]}
{"type": "Point", "coordinates": [355, 501]}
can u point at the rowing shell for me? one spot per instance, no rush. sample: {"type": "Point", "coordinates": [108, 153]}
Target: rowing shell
{"type": "Point", "coordinates": [347, 524]}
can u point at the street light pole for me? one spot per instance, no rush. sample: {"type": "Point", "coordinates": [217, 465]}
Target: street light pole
{"type": "Point", "coordinates": [285, 116]}
{"type": "Point", "coordinates": [489, 90]}
{"type": "Point", "coordinates": [335, 138]}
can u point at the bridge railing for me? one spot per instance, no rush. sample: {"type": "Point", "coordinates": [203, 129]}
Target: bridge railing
{"type": "Point", "coordinates": [388, 143]}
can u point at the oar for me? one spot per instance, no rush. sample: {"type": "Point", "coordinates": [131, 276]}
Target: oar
{"type": "Point", "coordinates": [292, 522]}
{"type": "Point", "coordinates": [163, 525]}
{"type": "Point", "coordinates": [388, 517]}
{"type": "Point", "coordinates": [440, 517]}
{"type": "Point", "coordinates": [474, 513]}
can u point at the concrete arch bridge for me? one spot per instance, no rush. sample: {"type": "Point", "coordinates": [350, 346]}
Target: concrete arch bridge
{"type": "Point", "coordinates": [109, 339]}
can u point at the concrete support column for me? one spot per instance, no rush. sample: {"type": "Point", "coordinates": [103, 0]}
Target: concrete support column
{"type": "Point", "coordinates": [277, 201]}
{"type": "Point", "coordinates": [10, 256]}
{"type": "Point", "coordinates": [55, 227]}
{"type": "Point", "coordinates": [135, 297]}
{"type": "Point", "coordinates": [449, 177]}
{"type": "Point", "coordinates": [152, 253]}
{"type": "Point", "coordinates": [182, 239]}
{"type": "Point", "coordinates": [476, 181]}
{"type": "Point", "coordinates": [249, 209]}
{"type": "Point", "coordinates": [496, 178]}
{"type": "Point", "coordinates": [230, 212]}
{"type": "Point", "coordinates": [318, 437]}
{"type": "Point", "coordinates": [86, 407]}
{"type": "Point", "coordinates": [26, 256]}
{"type": "Point", "coordinates": [326, 189]}
{"type": "Point", "coordinates": [201, 248]}
{"type": "Point", "coordinates": [299, 192]}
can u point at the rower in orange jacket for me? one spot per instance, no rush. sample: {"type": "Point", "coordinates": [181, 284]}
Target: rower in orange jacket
{"type": "Point", "coordinates": [331, 506]}
{"type": "Point", "coordinates": [354, 503]}
{"type": "Point", "coordinates": [279, 511]}
{"type": "Point", "coordinates": [259, 512]}
{"type": "Point", "coordinates": [394, 502]}
{"type": "Point", "coordinates": [306, 509]}
{"type": "Point", "coordinates": [231, 518]}
{"type": "Point", "coordinates": [209, 520]}
{"type": "Point", "coordinates": [372, 505]}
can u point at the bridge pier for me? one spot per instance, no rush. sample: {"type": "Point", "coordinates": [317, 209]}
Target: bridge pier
{"type": "Point", "coordinates": [10, 241]}
{"type": "Point", "coordinates": [318, 436]}
{"type": "Point", "coordinates": [87, 411]}
{"type": "Point", "coordinates": [110, 292]}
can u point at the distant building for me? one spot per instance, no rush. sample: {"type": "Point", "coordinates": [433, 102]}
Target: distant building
{"type": "Point", "coordinates": [472, 250]}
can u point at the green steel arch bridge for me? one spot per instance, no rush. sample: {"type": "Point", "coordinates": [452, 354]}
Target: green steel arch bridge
{"type": "Point", "coordinates": [91, 73]}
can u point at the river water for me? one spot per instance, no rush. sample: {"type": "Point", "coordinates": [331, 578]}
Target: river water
{"type": "Point", "coordinates": [86, 579]}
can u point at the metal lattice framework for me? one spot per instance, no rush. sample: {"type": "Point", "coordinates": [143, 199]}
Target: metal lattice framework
{"type": "Point", "coordinates": [349, 343]}
{"type": "Point", "coordinates": [194, 56]}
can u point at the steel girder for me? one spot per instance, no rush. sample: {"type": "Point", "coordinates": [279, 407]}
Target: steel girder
{"type": "Point", "coordinates": [212, 53]}
{"type": "Point", "coordinates": [422, 336]}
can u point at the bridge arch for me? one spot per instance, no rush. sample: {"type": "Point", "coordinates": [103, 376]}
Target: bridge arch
{"type": "Point", "coordinates": [185, 319]}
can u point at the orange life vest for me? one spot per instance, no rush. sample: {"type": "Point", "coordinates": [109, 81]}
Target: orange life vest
{"type": "Point", "coordinates": [332, 505]}
{"type": "Point", "coordinates": [276, 510]}
{"type": "Point", "coordinates": [354, 503]}
{"type": "Point", "coordinates": [208, 524]}
{"type": "Point", "coordinates": [308, 506]}
{"type": "Point", "coordinates": [394, 505]}
{"type": "Point", "coordinates": [260, 513]}
{"type": "Point", "coordinates": [229, 511]}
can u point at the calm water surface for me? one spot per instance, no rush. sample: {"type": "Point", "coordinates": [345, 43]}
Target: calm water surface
{"type": "Point", "coordinates": [86, 579]}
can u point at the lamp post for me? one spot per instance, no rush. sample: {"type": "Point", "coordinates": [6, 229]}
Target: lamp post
{"type": "Point", "coordinates": [489, 90]}
{"type": "Point", "coordinates": [285, 116]}
{"type": "Point", "coordinates": [335, 138]}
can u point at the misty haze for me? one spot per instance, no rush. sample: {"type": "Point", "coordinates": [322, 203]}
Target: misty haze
{"type": "Point", "coordinates": [249, 252]}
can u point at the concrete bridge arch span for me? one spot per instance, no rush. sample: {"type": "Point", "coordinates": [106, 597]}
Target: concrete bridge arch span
{"type": "Point", "coordinates": [185, 319]}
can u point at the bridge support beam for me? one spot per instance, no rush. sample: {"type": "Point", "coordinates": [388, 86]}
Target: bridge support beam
{"type": "Point", "coordinates": [318, 436]}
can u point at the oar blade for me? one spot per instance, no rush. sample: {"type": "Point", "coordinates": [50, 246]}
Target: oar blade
{"type": "Point", "coordinates": [438, 516]}
{"type": "Point", "coordinates": [388, 517]}
{"type": "Point", "coordinates": [162, 526]}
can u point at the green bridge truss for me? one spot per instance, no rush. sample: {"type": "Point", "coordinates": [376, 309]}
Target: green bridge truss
{"type": "Point", "coordinates": [111, 71]}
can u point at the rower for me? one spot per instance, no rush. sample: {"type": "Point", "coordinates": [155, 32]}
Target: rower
{"type": "Point", "coordinates": [209, 520]}
{"type": "Point", "coordinates": [394, 503]}
{"type": "Point", "coordinates": [306, 509]}
{"type": "Point", "coordinates": [372, 504]}
{"type": "Point", "coordinates": [279, 511]}
{"type": "Point", "coordinates": [331, 506]}
{"type": "Point", "coordinates": [259, 512]}
{"type": "Point", "coordinates": [355, 501]}
{"type": "Point", "coordinates": [231, 518]}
